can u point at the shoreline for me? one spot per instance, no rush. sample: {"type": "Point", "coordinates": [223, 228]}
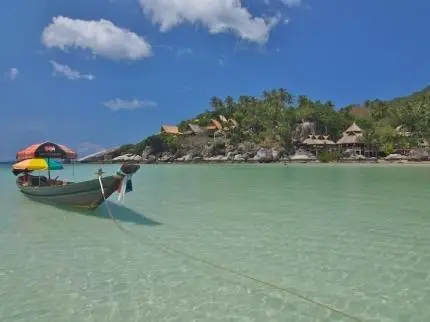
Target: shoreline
{"type": "Point", "coordinates": [280, 162]}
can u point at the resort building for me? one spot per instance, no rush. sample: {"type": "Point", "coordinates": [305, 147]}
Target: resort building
{"type": "Point", "coordinates": [227, 123]}
{"type": "Point", "coordinates": [194, 129]}
{"type": "Point", "coordinates": [170, 130]}
{"type": "Point", "coordinates": [352, 141]}
{"type": "Point", "coordinates": [213, 127]}
{"type": "Point", "coordinates": [317, 143]}
{"type": "Point", "coordinates": [222, 119]}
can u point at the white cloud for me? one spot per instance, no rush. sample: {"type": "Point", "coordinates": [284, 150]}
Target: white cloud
{"type": "Point", "coordinates": [119, 104]}
{"type": "Point", "coordinates": [13, 73]}
{"type": "Point", "coordinates": [101, 37]}
{"type": "Point", "coordinates": [218, 16]}
{"type": "Point", "coordinates": [292, 3]}
{"type": "Point", "coordinates": [69, 72]}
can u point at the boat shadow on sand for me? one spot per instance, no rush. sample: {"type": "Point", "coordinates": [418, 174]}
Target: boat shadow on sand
{"type": "Point", "coordinates": [119, 212]}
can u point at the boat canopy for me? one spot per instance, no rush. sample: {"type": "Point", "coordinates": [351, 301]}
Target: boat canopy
{"type": "Point", "coordinates": [35, 164]}
{"type": "Point", "coordinates": [48, 150]}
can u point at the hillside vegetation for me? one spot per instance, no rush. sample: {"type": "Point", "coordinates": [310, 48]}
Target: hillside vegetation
{"type": "Point", "coordinates": [270, 121]}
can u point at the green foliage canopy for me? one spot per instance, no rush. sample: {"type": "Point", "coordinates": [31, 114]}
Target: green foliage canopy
{"type": "Point", "coordinates": [271, 120]}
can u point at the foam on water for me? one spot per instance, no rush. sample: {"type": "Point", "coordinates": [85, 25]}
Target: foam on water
{"type": "Point", "coordinates": [355, 238]}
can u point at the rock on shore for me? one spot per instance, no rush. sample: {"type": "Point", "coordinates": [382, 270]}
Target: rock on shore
{"type": "Point", "coordinates": [245, 152]}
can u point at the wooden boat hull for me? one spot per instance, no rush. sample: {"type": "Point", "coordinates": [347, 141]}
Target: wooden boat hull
{"type": "Point", "coordinates": [86, 194]}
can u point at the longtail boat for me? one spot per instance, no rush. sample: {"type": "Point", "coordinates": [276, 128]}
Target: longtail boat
{"type": "Point", "coordinates": [85, 194]}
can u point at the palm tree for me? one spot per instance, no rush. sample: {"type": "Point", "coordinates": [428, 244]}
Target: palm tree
{"type": "Point", "coordinates": [216, 103]}
{"type": "Point", "coordinates": [370, 140]}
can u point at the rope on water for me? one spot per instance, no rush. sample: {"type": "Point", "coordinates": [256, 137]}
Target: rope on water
{"type": "Point", "coordinates": [107, 206]}
{"type": "Point", "coordinates": [164, 247]}
{"type": "Point", "coordinates": [228, 270]}
{"type": "Point", "coordinates": [255, 279]}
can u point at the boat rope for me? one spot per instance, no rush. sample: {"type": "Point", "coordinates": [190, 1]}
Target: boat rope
{"type": "Point", "coordinates": [107, 205]}
{"type": "Point", "coordinates": [123, 188]}
{"type": "Point", "coordinates": [164, 247]}
{"type": "Point", "coordinates": [250, 277]}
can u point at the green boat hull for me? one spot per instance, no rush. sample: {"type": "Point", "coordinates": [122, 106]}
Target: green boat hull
{"type": "Point", "coordinates": [86, 194]}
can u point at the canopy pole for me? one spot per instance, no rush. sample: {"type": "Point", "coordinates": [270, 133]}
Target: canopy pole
{"type": "Point", "coordinates": [49, 171]}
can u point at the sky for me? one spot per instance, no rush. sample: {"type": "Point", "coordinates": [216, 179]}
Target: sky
{"type": "Point", "coordinates": [101, 73]}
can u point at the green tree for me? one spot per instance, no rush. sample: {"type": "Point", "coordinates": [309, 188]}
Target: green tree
{"type": "Point", "coordinates": [271, 120]}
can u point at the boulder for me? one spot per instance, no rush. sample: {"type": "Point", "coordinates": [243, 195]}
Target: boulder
{"type": "Point", "coordinates": [166, 157]}
{"type": "Point", "coordinates": [395, 156]}
{"type": "Point", "coordinates": [217, 158]}
{"type": "Point", "coordinates": [418, 155]}
{"type": "Point", "coordinates": [207, 151]}
{"type": "Point", "coordinates": [188, 157]}
{"type": "Point", "coordinates": [276, 155]}
{"type": "Point", "coordinates": [128, 157]}
{"type": "Point", "coordinates": [231, 155]}
{"type": "Point", "coordinates": [239, 157]}
{"type": "Point", "coordinates": [146, 152]}
{"type": "Point", "coordinates": [263, 155]}
{"type": "Point", "coordinates": [151, 159]}
{"type": "Point", "coordinates": [136, 158]}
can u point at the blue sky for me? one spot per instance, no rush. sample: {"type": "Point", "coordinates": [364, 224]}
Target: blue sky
{"type": "Point", "coordinates": [100, 73]}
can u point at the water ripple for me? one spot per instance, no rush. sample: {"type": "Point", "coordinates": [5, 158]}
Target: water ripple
{"type": "Point", "coordinates": [354, 238]}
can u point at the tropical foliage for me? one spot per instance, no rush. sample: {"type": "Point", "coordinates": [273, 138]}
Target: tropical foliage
{"type": "Point", "coordinates": [271, 121]}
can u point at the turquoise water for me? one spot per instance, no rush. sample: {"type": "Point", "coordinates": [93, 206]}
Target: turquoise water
{"type": "Point", "coordinates": [320, 242]}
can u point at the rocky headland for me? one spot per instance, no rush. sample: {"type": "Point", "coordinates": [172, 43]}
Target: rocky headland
{"type": "Point", "coordinates": [278, 127]}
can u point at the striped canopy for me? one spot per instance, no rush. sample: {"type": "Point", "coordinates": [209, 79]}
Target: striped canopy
{"type": "Point", "coordinates": [46, 150]}
{"type": "Point", "coordinates": [30, 165]}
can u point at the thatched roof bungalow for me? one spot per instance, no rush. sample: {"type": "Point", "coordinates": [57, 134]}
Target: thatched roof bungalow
{"type": "Point", "coordinates": [211, 128]}
{"type": "Point", "coordinates": [316, 143]}
{"type": "Point", "coordinates": [352, 141]}
{"type": "Point", "coordinates": [214, 126]}
{"type": "Point", "coordinates": [316, 140]}
{"type": "Point", "coordinates": [227, 124]}
{"type": "Point", "coordinates": [230, 123]}
{"type": "Point", "coordinates": [351, 136]}
{"type": "Point", "coordinates": [217, 124]}
{"type": "Point", "coordinates": [222, 119]}
{"type": "Point", "coordinates": [194, 129]}
{"type": "Point", "coordinates": [170, 129]}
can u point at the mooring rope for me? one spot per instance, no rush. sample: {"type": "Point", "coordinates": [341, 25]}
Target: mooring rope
{"type": "Point", "coordinates": [252, 278]}
{"type": "Point", "coordinates": [107, 205]}
{"type": "Point", "coordinates": [226, 269]}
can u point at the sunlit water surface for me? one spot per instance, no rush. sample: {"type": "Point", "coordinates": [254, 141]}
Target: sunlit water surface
{"type": "Point", "coordinates": [321, 243]}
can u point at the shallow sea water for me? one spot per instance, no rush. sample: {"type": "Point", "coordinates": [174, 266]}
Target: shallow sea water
{"type": "Point", "coordinates": [224, 243]}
